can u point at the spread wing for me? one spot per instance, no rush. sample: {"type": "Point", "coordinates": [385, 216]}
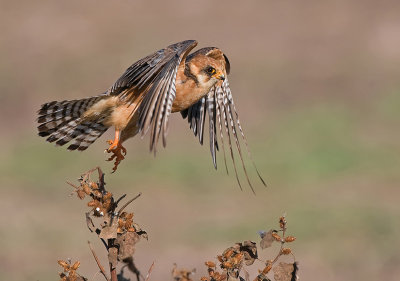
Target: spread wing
{"type": "Point", "coordinates": [222, 114]}
{"type": "Point", "coordinates": [150, 83]}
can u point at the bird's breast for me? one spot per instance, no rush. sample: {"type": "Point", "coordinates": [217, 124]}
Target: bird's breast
{"type": "Point", "coordinates": [187, 94]}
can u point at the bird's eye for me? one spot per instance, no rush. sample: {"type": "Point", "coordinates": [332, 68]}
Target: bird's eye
{"type": "Point", "coordinates": [210, 70]}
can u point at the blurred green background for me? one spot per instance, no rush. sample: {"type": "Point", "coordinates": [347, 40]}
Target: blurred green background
{"type": "Point", "coordinates": [316, 84]}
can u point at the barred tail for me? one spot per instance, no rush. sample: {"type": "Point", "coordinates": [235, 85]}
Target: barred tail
{"type": "Point", "coordinates": [62, 122]}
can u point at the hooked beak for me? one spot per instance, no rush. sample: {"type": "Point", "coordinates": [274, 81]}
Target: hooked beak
{"type": "Point", "coordinates": [219, 76]}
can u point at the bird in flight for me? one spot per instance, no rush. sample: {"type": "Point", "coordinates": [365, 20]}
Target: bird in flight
{"type": "Point", "coordinates": [142, 99]}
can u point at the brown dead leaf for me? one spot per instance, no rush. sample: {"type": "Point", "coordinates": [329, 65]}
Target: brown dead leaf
{"type": "Point", "coordinates": [227, 254]}
{"type": "Point", "coordinates": [109, 232]}
{"type": "Point", "coordinates": [126, 244]}
{"type": "Point", "coordinates": [70, 274]}
{"type": "Point", "coordinates": [210, 264]}
{"type": "Point", "coordinates": [182, 274]}
{"type": "Point", "coordinates": [76, 265]}
{"type": "Point", "coordinates": [64, 264]}
{"type": "Point", "coordinates": [286, 251]}
{"type": "Point", "coordinates": [276, 237]}
{"type": "Point", "coordinates": [81, 194]}
{"type": "Point", "coordinates": [249, 249]}
{"type": "Point", "coordinates": [233, 278]}
{"type": "Point", "coordinates": [233, 275]}
{"type": "Point", "coordinates": [285, 271]}
{"type": "Point", "coordinates": [266, 239]}
{"type": "Point", "coordinates": [86, 188]}
{"type": "Point", "coordinates": [282, 222]}
{"type": "Point", "coordinates": [290, 239]}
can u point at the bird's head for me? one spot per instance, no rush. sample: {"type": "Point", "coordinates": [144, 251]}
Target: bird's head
{"type": "Point", "coordinates": [208, 66]}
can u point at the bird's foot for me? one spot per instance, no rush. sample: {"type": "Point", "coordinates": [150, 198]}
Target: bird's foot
{"type": "Point", "coordinates": [118, 153]}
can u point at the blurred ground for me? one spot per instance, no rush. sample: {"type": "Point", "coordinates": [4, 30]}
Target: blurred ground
{"type": "Point", "coordinates": [317, 88]}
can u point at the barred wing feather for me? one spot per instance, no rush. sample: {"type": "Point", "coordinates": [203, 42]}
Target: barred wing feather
{"type": "Point", "coordinates": [221, 109]}
{"type": "Point", "coordinates": [150, 82]}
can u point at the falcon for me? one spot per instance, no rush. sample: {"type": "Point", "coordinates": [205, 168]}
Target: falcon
{"type": "Point", "coordinates": [142, 99]}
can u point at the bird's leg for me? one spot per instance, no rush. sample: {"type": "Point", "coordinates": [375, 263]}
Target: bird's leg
{"type": "Point", "coordinates": [117, 150]}
{"type": "Point", "coordinates": [114, 143]}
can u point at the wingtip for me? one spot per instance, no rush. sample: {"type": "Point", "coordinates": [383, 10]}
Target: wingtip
{"type": "Point", "coordinates": [215, 163]}
{"type": "Point", "coordinates": [263, 182]}
{"type": "Point", "coordinates": [260, 177]}
{"type": "Point", "coordinates": [188, 43]}
{"type": "Point", "coordinates": [192, 41]}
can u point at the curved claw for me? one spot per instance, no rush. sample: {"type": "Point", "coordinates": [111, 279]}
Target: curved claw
{"type": "Point", "coordinates": [118, 153]}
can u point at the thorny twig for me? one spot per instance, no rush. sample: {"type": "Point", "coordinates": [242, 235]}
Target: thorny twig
{"type": "Point", "coordinates": [98, 262]}
{"type": "Point", "coordinates": [117, 230]}
{"type": "Point", "coordinates": [119, 199]}
{"type": "Point", "coordinates": [234, 258]}
{"type": "Point", "coordinates": [129, 202]}
{"type": "Point", "coordinates": [149, 272]}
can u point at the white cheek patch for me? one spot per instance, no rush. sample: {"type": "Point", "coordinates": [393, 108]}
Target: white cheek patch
{"type": "Point", "coordinates": [203, 79]}
{"type": "Point", "coordinates": [206, 82]}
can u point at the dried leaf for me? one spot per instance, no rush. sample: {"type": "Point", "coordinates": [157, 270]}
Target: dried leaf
{"type": "Point", "coordinates": [86, 188]}
{"type": "Point", "coordinates": [233, 278]}
{"type": "Point", "coordinates": [97, 193]}
{"type": "Point", "coordinates": [285, 271]}
{"type": "Point", "coordinates": [63, 277]}
{"type": "Point", "coordinates": [81, 194]}
{"type": "Point", "coordinates": [175, 271]}
{"type": "Point", "coordinates": [182, 274]}
{"type": "Point", "coordinates": [286, 251]}
{"type": "Point", "coordinates": [276, 236]}
{"type": "Point", "coordinates": [94, 203]}
{"type": "Point", "coordinates": [249, 249]}
{"type": "Point", "coordinates": [266, 239]}
{"type": "Point", "coordinates": [290, 239]}
{"type": "Point", "coordinates": [64, 264]}
{"type": "Point", "coordinates": [94, 185]}
{"type": "Point", "coordinates": [233, 275]}
{"type": "Point", "coordinates": [228, 253]}
{"type": "Point", "coordinates": [76, 265]}
{"type": "Point", "coordinates": [109, 232]}
{"type": "Point", "coordinates": [226, 265]}
{"type": "Point", "coordinates": [210, 264]}
{"type": "Point", "coordinates": [282, 222]}
{"type": "Point", "coordinates": [126, 244]}
{"type": "Point", "coordinates": [220, 277]}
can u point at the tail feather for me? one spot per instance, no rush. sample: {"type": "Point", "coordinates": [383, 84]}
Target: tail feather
{"type": "Point", "coordinates": [62, 122]}
{"type": "Point", "coordinates": [82, 142]}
